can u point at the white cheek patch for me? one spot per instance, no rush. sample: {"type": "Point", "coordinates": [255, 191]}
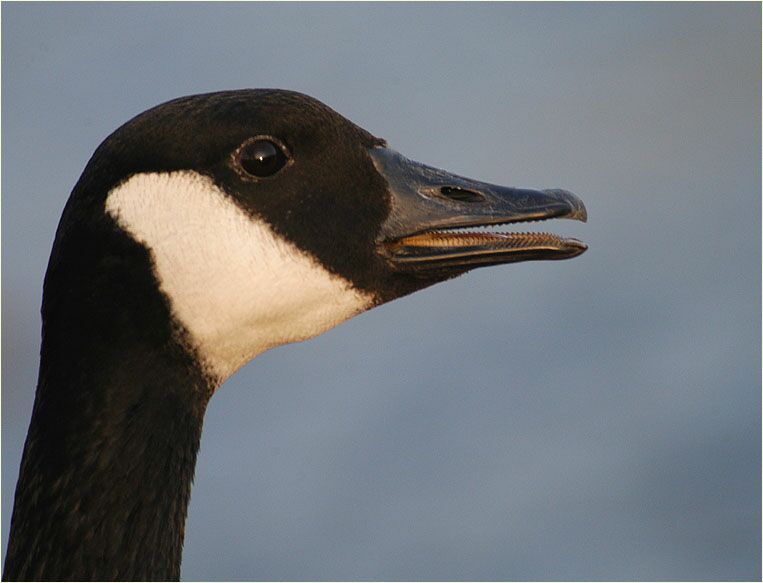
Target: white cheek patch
{"type": "Point", "coordinates": [237, 287]}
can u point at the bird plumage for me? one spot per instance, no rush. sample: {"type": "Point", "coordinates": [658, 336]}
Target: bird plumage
{"type": "Point", "coordinates": [201, 233]}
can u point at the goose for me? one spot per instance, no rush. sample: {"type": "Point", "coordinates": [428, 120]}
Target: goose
{"type": "Point", "coordinates": [202, 233]}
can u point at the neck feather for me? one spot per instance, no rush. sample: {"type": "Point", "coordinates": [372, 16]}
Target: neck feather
{"type": "Point", "coordinates": [109, 458]}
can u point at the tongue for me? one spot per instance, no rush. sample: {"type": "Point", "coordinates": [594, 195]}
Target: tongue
{"type": "Point", "coordinates": [447, 239]}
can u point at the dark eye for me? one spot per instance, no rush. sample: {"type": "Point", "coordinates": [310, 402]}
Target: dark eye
{"type": "Point", "coordinates": [262, 157]}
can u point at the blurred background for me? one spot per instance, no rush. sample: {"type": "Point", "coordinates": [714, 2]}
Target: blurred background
{"type": "Point", "coordinates": [590, 419]}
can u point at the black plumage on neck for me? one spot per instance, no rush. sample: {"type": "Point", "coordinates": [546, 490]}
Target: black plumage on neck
{"type": "Point", "coordinates": [109, 458]}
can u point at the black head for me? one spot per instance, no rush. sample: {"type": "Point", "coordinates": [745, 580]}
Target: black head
{"type": "Point", "coordinates": [331, 188]}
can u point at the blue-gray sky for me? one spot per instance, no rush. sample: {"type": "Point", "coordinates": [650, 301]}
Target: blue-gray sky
{"type": "Point", "coordinates": [589, 419]}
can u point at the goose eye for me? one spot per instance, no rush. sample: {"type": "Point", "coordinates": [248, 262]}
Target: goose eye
{"type": "Point", "coordinates": [261, 157]}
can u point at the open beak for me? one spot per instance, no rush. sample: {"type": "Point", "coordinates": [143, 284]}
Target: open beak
{"type": "Point", "coordinates": [431, 207]}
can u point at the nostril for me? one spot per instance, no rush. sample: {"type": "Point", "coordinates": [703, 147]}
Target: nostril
{"type": "Point", "coordinates": [461, 194]}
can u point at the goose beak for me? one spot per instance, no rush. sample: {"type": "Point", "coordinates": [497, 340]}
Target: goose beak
{"type": "Point", "coordinates": [431, 207]}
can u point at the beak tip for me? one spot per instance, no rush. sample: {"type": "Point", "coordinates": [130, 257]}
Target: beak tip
{"type": "Point", "coordinates": [578, 211]}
